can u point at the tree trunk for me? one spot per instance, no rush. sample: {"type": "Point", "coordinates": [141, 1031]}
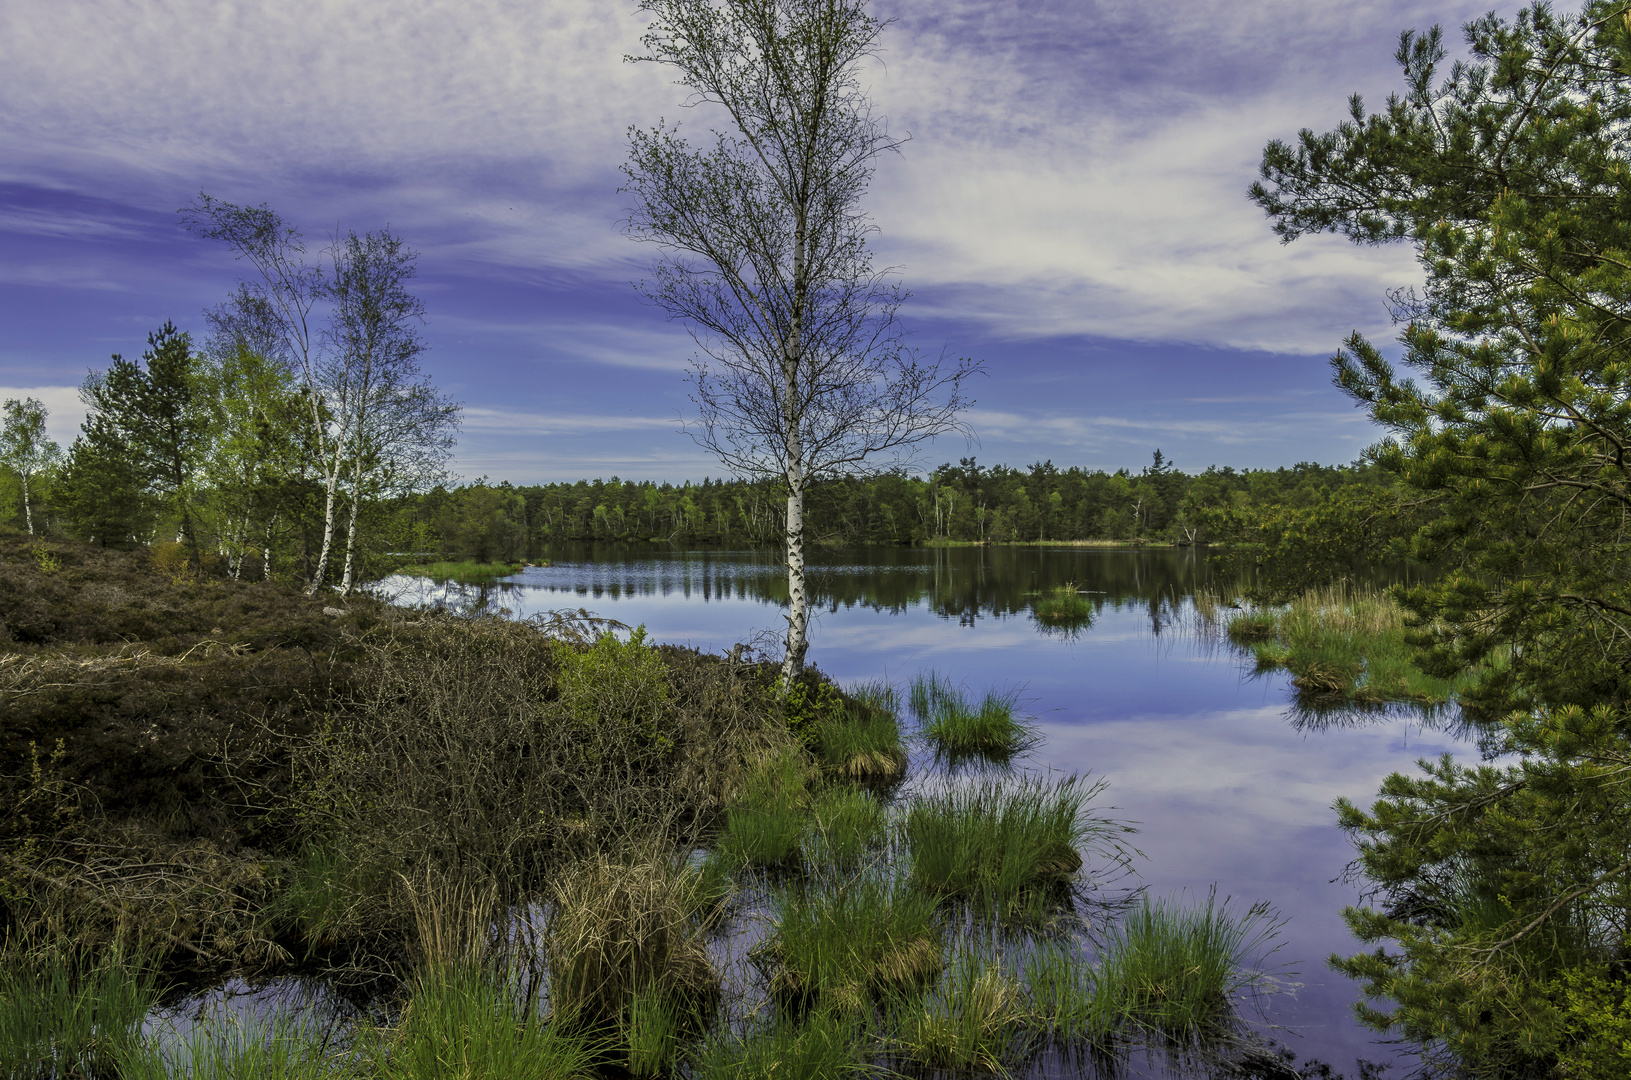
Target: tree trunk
{"type": "Point", "coordinates": [28, 508]}
{"type": "Point", "coordinates": [798, 608]}
{"type": "Point", "coordinates": [351, 528]}
{"type": "Point", "coordinates": [271, 523]}
{"type": "Point", "coordinates": [330, 490]}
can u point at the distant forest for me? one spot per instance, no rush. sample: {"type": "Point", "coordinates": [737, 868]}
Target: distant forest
{"type": "Point", "coordinates": [965, 503]}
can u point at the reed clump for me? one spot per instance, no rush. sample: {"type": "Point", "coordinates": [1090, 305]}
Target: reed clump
{"type": "Point", "coordinates": [1343, 640]}
{"type": "Point", "coordinates": [619, 930]}
{"type": "Point", "coordinates": [1065, 606]}
{"type": "Point", "coordinates": [71, 1013]}
{"type": "Point", "coordinates": [464, 572]}
{"type": "Point", "coordinates": [975, 1018]}
{"type": "Point", "coordinates": [824, 1044]}
{"type": "Point", "coordinates": [995, 838]}
{"type": "Point", "coordinates": [959, 727]}
{"type": "Point", "coordinates": [1174, 969]}
{"type": "Point", "coordinates": [766, 819]}
{"type": "Point", "coordinates": [862, 740]}
{"type": "Point", "coordinates": [846, 824]}
{"type": "Point", "coordinates": [840, 943]}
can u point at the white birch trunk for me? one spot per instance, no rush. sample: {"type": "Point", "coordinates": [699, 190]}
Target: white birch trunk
{"type": "Point", "coordinates": [351, 528]}
{"type": "Point", "coordinates": [28, 507]}
{"type": "Point", "coordinates": [798, 607]}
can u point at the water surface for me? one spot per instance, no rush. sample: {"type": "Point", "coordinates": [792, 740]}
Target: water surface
{"type": "Point", "coordinates": [1231, 786]}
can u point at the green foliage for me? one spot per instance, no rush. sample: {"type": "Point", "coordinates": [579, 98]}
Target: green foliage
{"type": "Point", "coordinates": [1507, 174]}
{"type": "Point", "coordinates": [1175, 969]}
{"type": "Point", "coordinates": [995, 838]}
{"type": "Point", "coordinates": [841, 942]}
{"type": "Point", "coordinates": [462, 571]}
{"type": "Point", "coordinates": [1063, 605]}
{"type": "Point", "coordinates": [812, 703]}
{"type": "Point", "coordinates": [959, 728]}
{"type": "Point", "coordinates": [71, 1016]}
{"type": "Point", "coordinates": [613, 681]}
{"type": "Point", "coordinates": [1597, 1022]}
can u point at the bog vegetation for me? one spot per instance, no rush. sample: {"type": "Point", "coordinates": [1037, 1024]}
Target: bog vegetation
{"type": "Point", "coordinates": [529, 844]}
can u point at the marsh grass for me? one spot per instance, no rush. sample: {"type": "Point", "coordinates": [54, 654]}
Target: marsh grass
{"type": "Point", "coordinates": [1175, 970]}
{"type": "Point", "coordinates": [465, 1023]}
{"type": "Point", "coordinates": [464, 572]}
{"type": "Point", "coordinates": [654, 1032]}
{"type": "Point", "coordinates": [621, 929]}
{"type": "Point", "coordinates": [839, 943]}
{"type": "Point", "coordinates": [1065, 1000]}
{"type": "Point", "coordinates": [766, 819]}
{"type": "Point", "coordinates": [960, 728]}
{"type": "Point", "coordinates": [1344, 641]}
{"type": "Point", "coordinates": [280, 1048]}
{"type": "Point", "coordinates": [1063, 606]}
{"type": "Point", "coordinates": [846, 824]}
{"type": "Point", "coordinates": [825, 1044]}
{"type": "Point", "coordinates": [68, 1015]}
{"type": "Point", "coordinates": [993, 839]}
{"type": "Point", "coordinates": [863, 740]}
{"type": "Point", "coordinates": [975, 1018]}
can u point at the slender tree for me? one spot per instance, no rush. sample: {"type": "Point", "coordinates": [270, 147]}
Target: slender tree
{"type": "Point", "coordinates": [801, 372]}
{"type": "Point", "coordinates": [24, 447]}
{"type": "Point", "coordinates": [399, 428]}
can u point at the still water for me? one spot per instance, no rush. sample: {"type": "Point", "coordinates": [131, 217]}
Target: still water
{"type": "Point", "coordinates": [1230, 785]}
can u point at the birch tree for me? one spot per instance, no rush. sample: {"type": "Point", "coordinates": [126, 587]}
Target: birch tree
{"type": "Point", "coordinates": [398, 428]}
{"type": "Point", "coordinates": [24, 447]}
{"type": "Point", "coordinates": [801, 371]}
{"type": "Point", "coordinates": [293, 290]}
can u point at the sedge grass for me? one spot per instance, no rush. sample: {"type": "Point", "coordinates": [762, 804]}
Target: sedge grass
{"type": "Point", "coordinates": [1342, 640]}
{"type": "Point", "coordinates": [70, 1016]}
{"type": "Point", "coordinates": [232, 1048]}
{"type": "Point", "coordinates": [618, 929]}
{"type": "Point", "coordinates": [996, 838]}
{"type": "Point", "coordinates": [958, 727]}
{"type": "Point", "coordinates": [863, 740]}
{"type": "Point", "coordinates": [1063, 606]}
{"type": "Point", "coordinates": [839, 943]}
{"type": "Point", "coordinates": [464, 1023]}
{"type": "Point", "coordinates": [466, 572]}
{"type": "Point", "coordinates": [847, 823]}
{"type": "Point", "coordinates": [654, 1032]}
{"type": "Point", "coordinates": [975, 1018]}
{"type": "Point", "coordinates": [765, 821]}
{"type": "Point", "coordinates": [1174, 970]}
{"type": "Point", "coordinates": [824, 1045]}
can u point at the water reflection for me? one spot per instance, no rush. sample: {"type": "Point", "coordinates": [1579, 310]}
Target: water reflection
{"type": "Point", "coordinates": [1230, 775]}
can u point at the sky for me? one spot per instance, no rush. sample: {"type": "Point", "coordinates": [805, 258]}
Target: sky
{"type": "Point", "coordinates": [1069, 209]}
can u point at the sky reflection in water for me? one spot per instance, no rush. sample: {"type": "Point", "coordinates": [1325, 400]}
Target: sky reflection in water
{"type": "Point", "coordinates": [1226, 786]}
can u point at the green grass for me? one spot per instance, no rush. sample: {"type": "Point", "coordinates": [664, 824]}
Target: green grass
{"type": "Point", "coordinates": [1065, 1002]}
{"type": "Point", "coordinates": [463, 1023]}
{"type": "Point", "coordinates": [975, 1018]}
{"type": "Point", "coordinates": [960, 728]}
{"type": "Point", "coordinates": [767, 817]}
{"type": "Point", "coordinates": [70, 1016]}
{"type": "Point", "coordinates": [234, 1049]}
{"type": "Point", "coordinates": [1174, 969]}
{"type": "Point", "coordinates": [825, 1045]}
{"type": "Point", "coordinates": [462, 571]}
{"type": "Point", "coordinates": [995, 838]}
{"type": "Point", "coordinates": [1063, 606]}
{"type": "Point", "coordinates": [654, 1032]}
{"type": "Point", "coordinates": [847, 823]}
{"type": "Point", "coordinates": [1342, 641]}
{"type": "Point", "coordinates": [863, 741]}
{"type": "Point", "coordinates": [839, 943]}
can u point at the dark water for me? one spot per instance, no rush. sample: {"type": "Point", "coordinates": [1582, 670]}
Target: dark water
{"type": "Point", "coordinates": [1231, 786]}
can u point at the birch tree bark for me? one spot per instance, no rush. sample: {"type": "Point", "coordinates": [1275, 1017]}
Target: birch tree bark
{"type": "Point", "coordinates": [801, 372]}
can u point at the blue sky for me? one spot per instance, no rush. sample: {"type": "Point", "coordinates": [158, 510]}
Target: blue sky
{"type": "Point", "coordinates": [1070, 208]}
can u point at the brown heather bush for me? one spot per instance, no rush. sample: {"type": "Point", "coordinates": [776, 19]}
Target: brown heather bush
{"type": "Point", "coordinates": [498, 751]}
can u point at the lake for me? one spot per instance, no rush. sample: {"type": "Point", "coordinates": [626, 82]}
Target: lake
{"type": "Point", "coordinates": [1229, 784]}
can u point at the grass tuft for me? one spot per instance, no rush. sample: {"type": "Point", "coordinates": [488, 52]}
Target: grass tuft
{"type": "Point", "coordinates": [617, 930]}
{"type": "Point", "coordinates": [973, 1019]}
{"type": "Point", "coordinates": [464, 572]}
{"type": "Point", "coordinates": [1341, 641]}
{"type": "Point", "coordinates": [1064, 607]}
{"type": "Point", "coordinates": [1175, 970]}
{"type": "Point", "coordinates": [825, 1045]}
{"type": "Point", "coordinates": [841, 943]}
{"type": "Point", "coordinates": [996, 838]}
{"type": "Point", "coordinates": [848, 822]}
{"type": "Point", "coordinates": [960, 728]}
{"type": "Point", "coordinates": [863, 741]}
{"type": "Point", "coordinates": [70, 1015]}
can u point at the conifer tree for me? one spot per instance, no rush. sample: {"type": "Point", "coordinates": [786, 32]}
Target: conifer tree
{"type": "Point", "coordinates": [1501, 885]}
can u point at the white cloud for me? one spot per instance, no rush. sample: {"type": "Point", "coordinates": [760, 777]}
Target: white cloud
{"type": "Point", "coordinates": [64, 410]}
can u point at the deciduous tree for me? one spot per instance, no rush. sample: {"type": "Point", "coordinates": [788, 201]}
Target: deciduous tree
{"type": "Point", "coordinates": [802, 371]}
{"type": "Point", "coordinates": [25, 449]}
